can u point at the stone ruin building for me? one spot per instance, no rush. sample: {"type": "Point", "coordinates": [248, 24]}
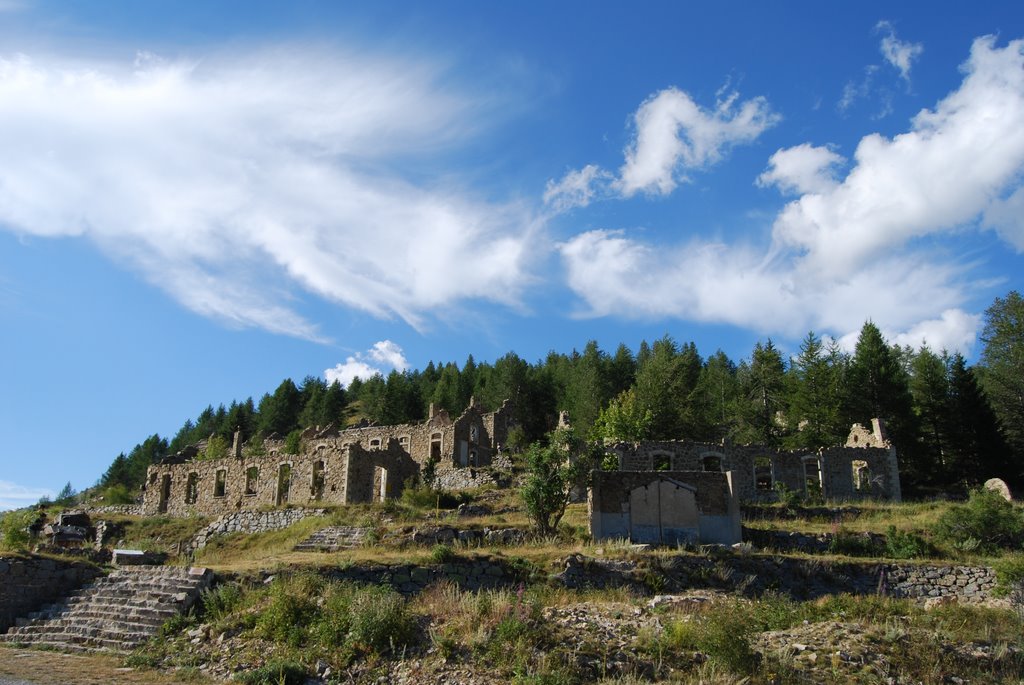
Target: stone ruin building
{"type": "Point", "coordinates": [366, 463]}
{"type": "Point", "coordinates": [680, 491]}
{"type": "Point", "coordinates": [865, 467]}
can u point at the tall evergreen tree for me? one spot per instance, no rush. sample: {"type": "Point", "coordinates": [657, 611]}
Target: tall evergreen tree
{"type": "Point", "coordinates": [715, 398]}
{"type": "Point", "coordinates": [878, 387]}
{"type": "Point", "coordinates": [662, 389]}
{"type": "Point", "coordinates": [1002, 362]}
{"type": "Point", "coordinates": [762, 404]}
{"type": "Point", "coordinates": [279, 413]}
{"type": "Point", "coordinates": [979, 449]}
{"type": "Point", "coordinates": [815, 395]}
{"type": "Point", "coordinates": [929, 387]}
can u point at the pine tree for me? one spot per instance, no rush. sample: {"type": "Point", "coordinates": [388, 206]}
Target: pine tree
{"type": "Point", "coordinates": [929, 386]}
{"type": "Point", "coordinates": [715, 399]}
{"type": "Point", "coordinates": [762, 392]}
{"type": "Point", "coordinates": [1002, 362]}
{"type": "Point", "coordinates": [977, 444]}
{"type": "Point", "coordinates": [878, 387]}
{"type": "Point", "coordinates": [815, 395]}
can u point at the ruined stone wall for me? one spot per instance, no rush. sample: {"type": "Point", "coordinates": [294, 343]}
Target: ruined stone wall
{"type": "Point", "coordinates": [867, 467]}
{"type": "Point", "coordinates": [613, 515]}
{"type": "Point", "coordinates": [251, 522]}
{"type": "Point", "coordinates": [28, 583]}
{"type": "Point", "coordinates": [378, 474]}
{"type": "Point", "coordinates": [237, 493]}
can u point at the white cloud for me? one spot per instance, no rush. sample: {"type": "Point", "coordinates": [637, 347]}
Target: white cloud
{"type": "Point", "coordinates": [576, 189]}
{"type": "Point", "coordinates": [236, 182]}
{"type": "Point", "coordinates": [802, 169]}
{"type": "Point", "coordinates": [390, 354]}
{"type": "Point", "coordinates": [673, 135]}
{"type": "Point", "coordinates": [14, 496]}
{"type": "Point", "coordinates": [845, 251]}
{"type": "Point", "coordinates": [935, 178]}
{"type": "Point", "coordinates": [366, 365]}
{"type": "Point", "coordinates": [898, 53]}
{"type": "Point", "coordinates": [1006, 216]}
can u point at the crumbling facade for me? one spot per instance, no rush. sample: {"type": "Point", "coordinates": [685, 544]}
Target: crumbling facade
{"type": "Point", "coordinates": [865, 467]}
{"type": "Point", "coordinates": [362, 464]}
{"type": "Point", "coordinates": [664, 507]}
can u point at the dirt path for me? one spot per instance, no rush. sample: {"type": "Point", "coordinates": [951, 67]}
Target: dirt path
{"type": "Point", "coordinates": [35, 667]}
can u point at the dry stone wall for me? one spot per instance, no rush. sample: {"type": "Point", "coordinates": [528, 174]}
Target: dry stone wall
{"type": "Point", "coordinates": [251, 522]}
{"type": "Point", "coordinates": [799, 578]}
{"type": "Point", "coordinates": [28, 583]}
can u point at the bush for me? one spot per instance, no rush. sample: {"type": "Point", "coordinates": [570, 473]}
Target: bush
{"type": "Point", "coordinates": [906, 545]}
{"type": "Point", "coordinates": [442, 554]}
{"type": "Point", "coordinates": [852, 544]}
{"type": "Point", "coordinates": [118, 494]}
{"type": "Point", "coordinates": [221, 601]}
{"type": "Point", "coordinates": [987, 522]}
{"type": "Point", "coordinates": [14, 529]}
{"type": "Point", "coordinates": [291, 609]}
{"type": "Point", "coordinates": [723, 633]}
{"type": "Point", "coordinates": [275, 673]}
{"type": "Point", "coordinates": [423, 496]}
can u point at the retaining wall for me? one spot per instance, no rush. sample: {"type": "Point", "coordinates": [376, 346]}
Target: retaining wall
{"type": "Point", "coordinates": [28, 583]}
{"type": "Point", "coordinates": [251, 522]}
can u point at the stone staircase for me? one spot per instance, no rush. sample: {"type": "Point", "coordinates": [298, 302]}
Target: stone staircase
{"type": "Point", "coordinates": [116, 613]}
{"type": "Point", "coordinates": [333, 538]}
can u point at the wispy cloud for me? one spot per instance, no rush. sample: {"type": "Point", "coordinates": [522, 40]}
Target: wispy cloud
{"type": "Point", "coordinates": [14, 496]}
{"type": "Point", "coordinates": [238, 182]}
{"type": "Point", "coordinates": [673, 137]}
{"type": "Point", "coordinates": [383, 356]}
{"type": "Point", "coordinates": [898, 53]}
{"type": "Point", "coordinates": [846, 249]}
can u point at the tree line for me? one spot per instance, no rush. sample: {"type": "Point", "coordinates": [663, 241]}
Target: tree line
{"type": "Point", "coordinates": [953, 424]}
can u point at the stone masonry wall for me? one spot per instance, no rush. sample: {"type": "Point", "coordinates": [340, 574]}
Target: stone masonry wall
{"type": "Point", "coordinates": [251, 522]}
{"type": "Point", "coordinates": [28, 583]}
{"type": "Point", "coordinates": [800, 578]}
{"type": "Point", "coordinates": [863, 468]}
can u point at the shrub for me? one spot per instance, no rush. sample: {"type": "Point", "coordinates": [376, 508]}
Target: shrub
{"type": "Point", "coordinates": [906, 544]}
{"type": "Point", "coordinates": [723, 633]}
{"type": "Point", "coordinates": [442, 554]}
{"type": "Point", "coordinates": [369, 619]}
{"type": "Point", "coordinates": [118, 494]}
{"type": "Point", "coordinates": [14, 529]}
{"type": "Point", "coordinates": [852, 544]}
{"type": "Point", "coordinates": [221, 601]}
{"type": "Point", "coordinates": [552, 471]}
{"type": "Point", "coordinates": [422, 496]}
{"type": "Point", "coordinates": [986, 518]}
{"type": "Point", "coordinates": [290, 610]}
{"type": "Point", "coordinates": [293, 443]}
{"type": "Point", "coordinates": [788, 498]}
{"type": "Point", "coordinates": [274, 673]}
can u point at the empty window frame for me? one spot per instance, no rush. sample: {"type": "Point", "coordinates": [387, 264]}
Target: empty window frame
{"type": "Point", "coordinates": [711, 462]}
{"type": "Point", "coordinates": [220, 483]}
{"type": "Point", "coordinates": [192, 488]}
{"type": "Point", "coordinates": [319, 480]}
{"type": "Point", "coordinates": [764, 479]}
{"type": "Point", "coordinates": [661, 461]}
{"type": "Point", "coordinates": [252, 479]}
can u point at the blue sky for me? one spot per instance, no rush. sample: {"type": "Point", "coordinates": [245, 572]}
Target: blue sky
{"type": "Point", "coordinates": [198, 200]}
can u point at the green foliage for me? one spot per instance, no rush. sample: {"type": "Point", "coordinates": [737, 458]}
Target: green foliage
{"type": "Point", "coordinates": [14, 525]}
{"type": "Point", "coordinates": [1010, 574]}
{"type": "Point", "coordinates": [293, 443]}
{"type": "Point", "coordinates": [552, 471]}
{"type": "Point", "coordinates": [422, 496]}
{"type": "Point", "coordinates": [291, 608]}
{"type": "Point", "coordinates": [987, 522]}
{"type": "Point", "coordinates": [216, 448]}
{"type": "Point", "coordinates": [67, 495]}
{"type": "Point", "coordinates": [274, 673]}
{"type": "Point", "coordinates": [815, 395]}
{"type": "Point", "coordinates": [723, 633]}
{"type": "Point", "coordinates": [442, 554]}
{"type": "Point", "coordinates": [117, 494]}
{"type": "Point", "coordinates": [1002, 361]}
{"type": "Point", "coordinates": [306, 609]}
{"type": "Point", "coordinates": [624, 419]}
{"type": "Point", "coordinates": [906, 545]}
{"type": "Point", "coordinates": [852, 544]}
{"type": "Point", "coordinates": [219, 602]}
{"type": "Point", "coordinates": [788, 498]}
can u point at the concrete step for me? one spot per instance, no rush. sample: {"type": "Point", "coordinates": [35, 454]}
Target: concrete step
{"type": "Point", "coordinates": [115, 613]}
